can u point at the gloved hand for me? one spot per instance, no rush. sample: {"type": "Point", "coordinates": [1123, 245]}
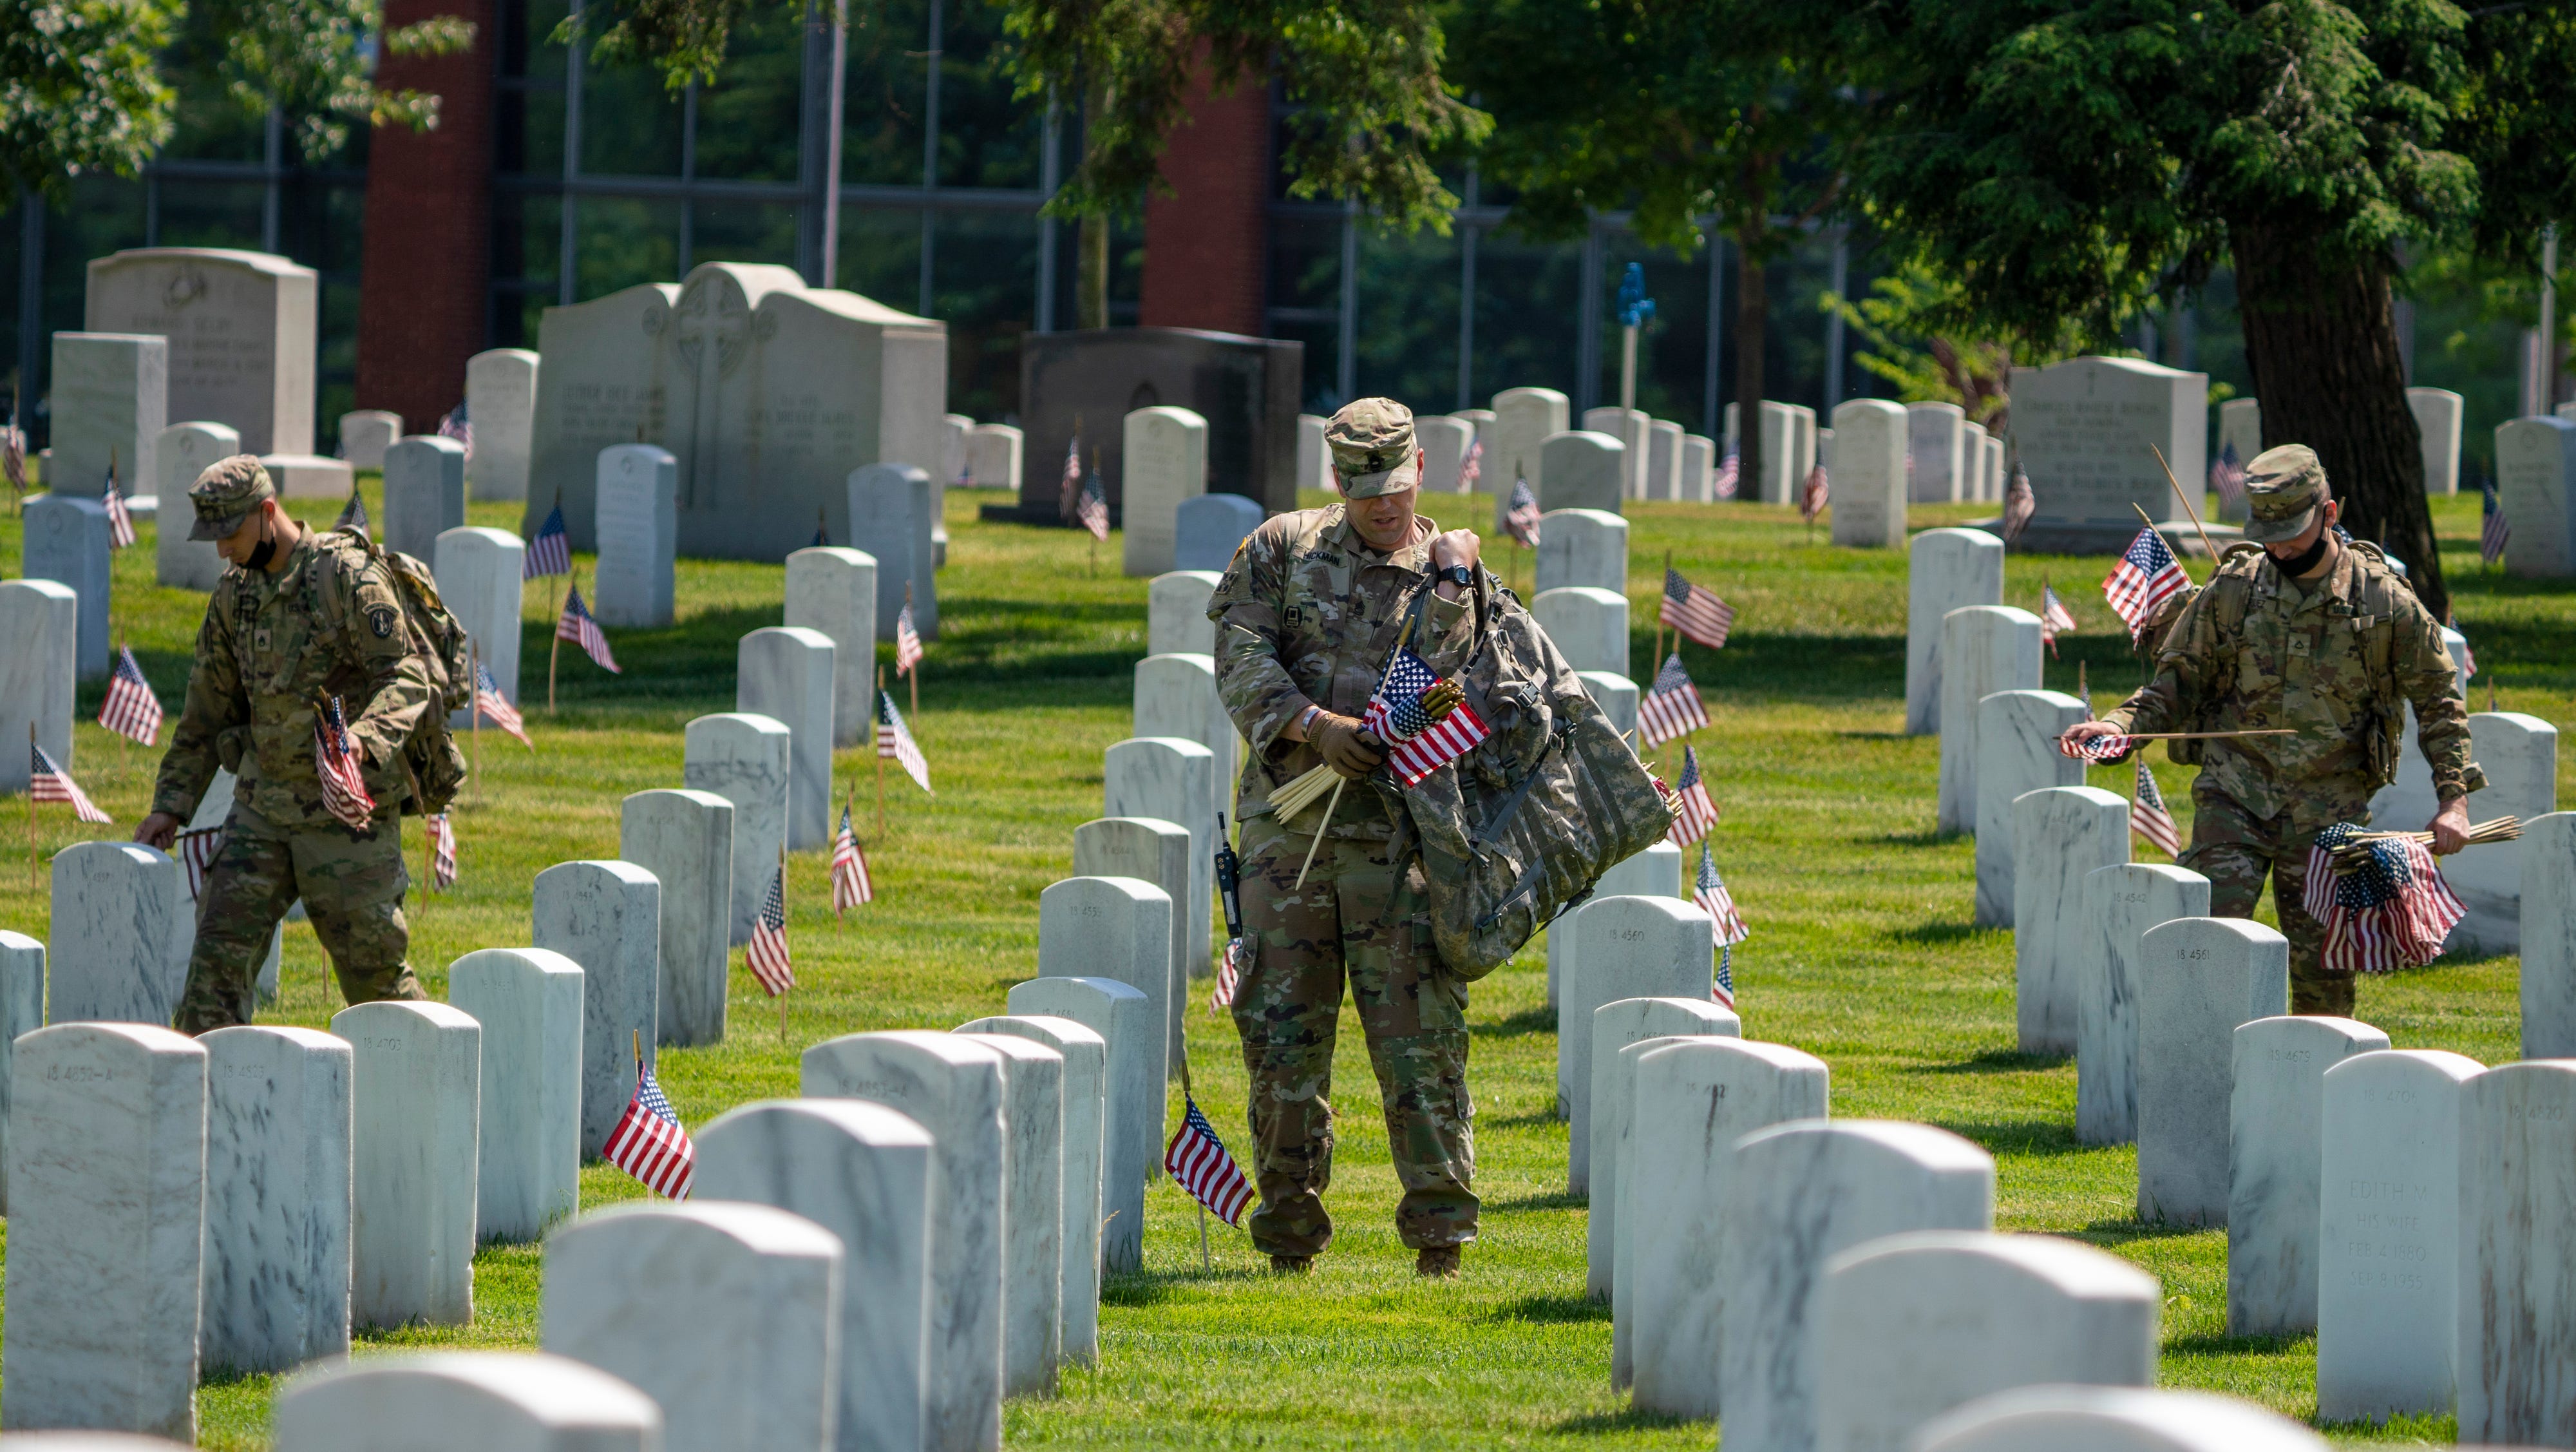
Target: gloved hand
{"type": "Point", "coordinates": [1346, 747]}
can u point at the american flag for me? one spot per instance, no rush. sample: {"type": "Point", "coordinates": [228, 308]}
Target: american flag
{"type": "Point", "coordinates": [822, 536]}
{"type": "Point", "coordinates": [120, 520]}
{"type": "Point", "coordinates": [197, 849]}
{"type": "Point", "coordinates": [648, 1142]}
{"type": "Point", "coordinates": [2019, 505]}
{"type": "Point", "coordinates": [344, 791]}
{"type": "Point", "coordinates": [2227, 475]}
{"type": "Point", "coordinates": [851, 885]}
{"type": "Point", "coordinates": [132, 711]}
{"type": "Point", "coordinates": [47, 782]}
{"type": "Point", "coordinates": [907, 639]}
{"type": "Point", "coordinates": [1713, 899]}
{"type": "Point", "coordinates": [550, 553]}
{"type": "Point", "coordinates": [1473, 469]}
{"type": "Point", "coordinates": [1694, 610]}
{"type": "Point", "coordinates": [1672, 706]}
{"type": "Point", "coordinates": [1698, 813]}
{"type": "Point", "coordinates": [496, 708]}
{"type": "Point", "coordinates": [1229, 975]}
{"type": "Point", "coordinates": [1521, 520]}
{"type": "Point", "coordinates": [13, 457]}
{"type": "Point", "coordinates": [442, 852]}
{"type": "Point", "coordinates": [895, 741]}
{"type": "Point", "coordinates": [1419, 745]}
{"type": "Point", "coordinates": [1199, 1164]}
{"type": "Point", "coordinates": [2054, 617]}
{"type": "Point", "coordinates": [459, 426]}
{"type": "Point", "coordinates": [2148, 816]}
{"type": "Point", "coordinates": [1729, 471]}
{"type": "Point", "coordinates": [2096, 748]}
{"type": "Point", "coordinates": [2393, 912]}
{"type": "Point", "coordinates": [353, 515]}
{"type": "Point", "coordinates": [1070, 489]}
{"type": "Point", "coordinates": [2493, 532]}
{"type": "Point", "coordinates": [1092, 509]}
{"type": "Point", "coordinates": [579, 626]}
{"type": "Point", "coordinates": [2468, 656]}
{"type": "Point", "coordinates": [1814, 495]}
{"type": "Point", "coordinates": [2145, 578]}
{"type": "Point", "coordinates": [767, 956]}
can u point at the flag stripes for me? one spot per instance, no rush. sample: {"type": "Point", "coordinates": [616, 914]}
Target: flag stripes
{"type": "Point", "coordinates": [47, 782]}
{"type": "Point", "coordinates": [550, 552]}
{"type": "Point", "coordinates": [2393, 912]}
{"type": "Point", "coordinates": [579, 626]}
{"type": "Point", "coordinates": [2145, 578]}
{"type": "Point", "coordinates": [335, 758]}
{"type": "Point", "coordinates": [907, 640]}
{"type": "Point", "coordinates": [767, 956]}
{"type": "Point", "coordinates": [442, 852]}
{"type": "Point", "coordinates": [132, 711]}
{"type": "Point", "coordinates": [196, 852]}
{"type": "Point", "coordinates": [1694, 610]}
{"type": "Point", "coordinates": [1521, 520]}
{"type": "Point", "coordinates": [1697, 813]}
{"type": "Point", "coordinates": [851, 885]}
{"type": "Point", "coordinates": [1418, 745]}
{"type": "Point", "coordinates": [2149, 817]}
{"type": "Point", "coordinates": [490, 704]}
{"type": "Point", "coordinates": [2494, 533]}
{"type": "Point", "coordinates": [120, 520]}
{"type": "Point", "coordinates": [895, 741]}
{"type": "Point", "coordinates": [649, 1142]}
{"type": "Point", "coordinates": [1200, 1165]}
{"type": "Point", "coordinates": [1672, 709]}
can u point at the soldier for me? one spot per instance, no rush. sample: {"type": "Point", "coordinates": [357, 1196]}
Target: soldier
{"type": "Point", "coordinates": [300, 615]}
{"type": "Point", "coordinates": [1308, 613]}
{"type": "Point", "coordinates": [2299, 629]}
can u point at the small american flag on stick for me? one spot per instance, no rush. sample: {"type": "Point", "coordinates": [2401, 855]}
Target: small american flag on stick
{"type": "Point", "coordinates": [496, 708]}
{"type": "Point", "coordinates": [2054, 618]}
{"type": "Point", "coordinates": [1672, 708]}
{"type": "Point", "coordinates": [1229, 976]}
{"type": "Point", "coordinates": [120, 520]}
{"type": "Point", "coordinates": [579, 626]}
{"type": "Point", "coordinates": [1694, 610]}
{"type": "Point", "coordinates": [1421, 743]}
{"type": "Point", "coordinates": [851, 885]}
{"type": "Point", "coordinates": [132, 711]}
{"type": "Point", "coordinates": [47, 782]}
{"type": "Point", "coordinates": [1697, 813]}
{"type": "Point", "coordinates": [2145, 578]}
{"type": "Point", "coordinates": [1713, 898]}
{"type": "Point", "coordinates": [197, 848]}
{"type": "Point", "coordinates": [459, 425]}
{"type": "Point", "coordinates": [2096, 748]}
{"type": "Point", "coordinates": [893, 740]}
{"type": "Point", "coordinates": [1814, 495]}
{"type": "Point", "coordinates": [353, 515]}
{"type": "Point", "coordinates": [2227, 475]}
{"type": "Point", "coordinates": [1730, 471]}
{"type": "Point", "coordinates": [550, 552]}
{"type": "Point", "coordinates": [344, 790]}
{"type": "Point", "coordinates": [2393, 911]}
{"type": "Point", "coordinates": [767, 956]}
{"type": "Point", "coordinates": [907, 639]}
{"type": "Point", "coordinates": [2148, 816]}
{"type": "Point", "coordinates": [649, 1142]}
{"type": "Point", "coordinates": [1069, 489]}
{"type": "Point", "coordinates": [13, 457]}
{"type": "Point", "coordinates": [1199, 1164]}
{"type": "Point", "coordinates": [2494, 533]}
{"type": "Point", "coordinates": [1092, 508]}
{"type": "Point", "coordinates": [1521, 520]}
{"type": "Point", "coordinates": [1473, 468]}
{"type": "Point", "coordinates": [442, 852]}
{"type": "Point", "coordinates": [2019, 505]}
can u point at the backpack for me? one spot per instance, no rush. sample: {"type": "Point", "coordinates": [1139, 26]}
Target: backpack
{"type": "Point", "coordinates": [436, 764]}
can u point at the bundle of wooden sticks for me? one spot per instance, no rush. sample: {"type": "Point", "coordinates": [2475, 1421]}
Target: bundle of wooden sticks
{"type": "Point", "coordinates": [2356, 849]}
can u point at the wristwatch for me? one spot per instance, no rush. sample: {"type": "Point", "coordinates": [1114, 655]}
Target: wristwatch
{"type": "Point", "coordinates": [1459, 575]}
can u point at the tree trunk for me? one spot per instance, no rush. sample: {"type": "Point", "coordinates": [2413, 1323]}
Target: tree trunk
{"type": "Point", "coordinates": [1752, 320]}
{"type": "Point", "coordinates": [1091, 274]}
{"type": "Point", "coordinates": [2321, 342]}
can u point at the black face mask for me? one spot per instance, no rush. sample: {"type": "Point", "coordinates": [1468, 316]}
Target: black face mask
{"type": "Point", "coordinates": [2307, 559]}
{"type": "Point", "coordinates": [265, 551]}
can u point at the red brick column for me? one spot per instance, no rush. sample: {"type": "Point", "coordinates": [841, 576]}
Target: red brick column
{"type": "Point", "coordinates": [426, 261]}
{"type": "Point", "coordinates": [1206, 248]}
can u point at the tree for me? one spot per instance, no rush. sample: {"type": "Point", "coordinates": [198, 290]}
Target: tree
{"type": "Point", "coordinates": [1677, 108]}
{"type": "Point", "coordinates": [2068, 161]}
{"type": "Point", "coordinates": [312, 60]}
{"type": "Point", "coordinates": [79, 92]}
{"type": "Point", "coordinates": [1909, 328]}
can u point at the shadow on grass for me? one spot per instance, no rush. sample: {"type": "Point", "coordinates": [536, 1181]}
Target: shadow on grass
{"type": "Point", "coordinates": [1539, 1020]}
{"type": "Point", "coordinates": [1935, 934]}
{"type": "Point", "coordinates": [1153, 1288]}
{"type": "Point", "coordinates": [1994, 1061]}
{"type": "Point", "coordinates": [1916, 839]}
{"type": "Point", "coordinates": [2111, 1234]}
{"type": "Point", "coordinates": [2215, 1345]}
{"type": "Point", "coordinates": [1552, 1310]}
{"type": "Point", "coordinates": [1555, 1200]}
{"type": "Point", "coordinates": [1519, 1121]}
{"type": "Point", "coordinates": [1632, 1420]}
{"type": "Point", "coordinates": [2018, 1136]}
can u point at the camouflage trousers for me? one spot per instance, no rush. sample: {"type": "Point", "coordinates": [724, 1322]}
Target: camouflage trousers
{"type": "Point", "coordinates": [2234, 849]}
{"type": "Point", "coordinates": [352, 884]}
{"type": "Point", "coordinates": [1365, 917]}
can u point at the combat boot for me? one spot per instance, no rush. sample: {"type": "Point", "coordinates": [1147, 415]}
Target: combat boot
{"type": "Point", "coordinates": [1291, 1265]}
{"type": "Point", "coordinates": [1437, 1262]}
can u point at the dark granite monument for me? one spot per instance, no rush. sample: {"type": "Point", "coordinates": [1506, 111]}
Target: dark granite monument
{"type": "Point", "coordinates": [1246, 389]}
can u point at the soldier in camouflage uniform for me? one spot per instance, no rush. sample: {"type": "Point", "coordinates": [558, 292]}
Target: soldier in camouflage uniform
{"type": "Point", "coordinates": [300, 615]}
{"type": "Point", "coordinates": [2300, 630]}
{"type": "Point", "coordinates": [1307, 615]}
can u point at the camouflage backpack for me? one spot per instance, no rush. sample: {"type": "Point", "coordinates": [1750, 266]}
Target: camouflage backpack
{"type": "Point", "coordinates": [437, 765]}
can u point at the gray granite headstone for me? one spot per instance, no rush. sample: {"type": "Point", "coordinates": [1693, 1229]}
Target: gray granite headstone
{"type": "Point", "coordinates": [785, 672]}
{"type": "Point", "coordinates": [2083, 429]}
{"type": "Point", "coordinates": [2198, 979]}
{"type": "Point", "coordinates": [529, 1002]}
{"type": "Point", "coordinates": [1206, 530]}
{"type": "Point", "coordinates": [242, 331]}
{"type": "Point", "coordinates": [890, 511]}
{"type": "Point", "coordinates": [637, 498]}
{"type": "Point", "coordinates": [424, 493]}
{"type": "Point", "coordinates": [685, 839]}
{"type": "Point", "coordinates": [277, 1198]}
{"type": "Point", "coordinates": [66, 540]}
{"type": "Point", "coordinates": [607, 917]}
{"type": "Point", "coordinates": [418, 1100]}
{"type": "Point", "coordinates": [744, 758]}
{"type": "Point", "coordinates": [834, 590]}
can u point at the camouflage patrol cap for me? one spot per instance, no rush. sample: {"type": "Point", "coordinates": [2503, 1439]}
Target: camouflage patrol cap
{"type": "Point", "coordinates": [1372, 444]}
{"type": "Point", "coordinates": [226, 494]}
{"type": "Point", "coordinates": [2283, 488]}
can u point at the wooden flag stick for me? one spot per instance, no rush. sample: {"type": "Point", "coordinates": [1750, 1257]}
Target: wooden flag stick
{"type": "Point", "coordinates": [912, 672]}
{"type": "Point", "coordinates": [35, 874]}
{"type": "Point", "coordinates": [554, 651]}
{"type": "Point", "coordinates": [474, 718]}
{"type": "Point", "coordinates": [2202, 735]}
{"type": "Point", "coordinates": [1190, 1095]}
{"type": "Point", "coordinates": [782, 912]}
{"type": "Point", "coordinates": [881, 765]}
{"type": "Point", "coordinates": [1659, 619]}
{"type": "Point", "coordinates": [2188, 511]}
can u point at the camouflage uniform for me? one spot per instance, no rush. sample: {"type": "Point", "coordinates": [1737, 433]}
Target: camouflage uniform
{"type": "Point", "coordinates": [1308, 613]}
{"type": "Point", "coordinates": [328, 624]}
{"type": "Point", "coordinates": [2336, 659]}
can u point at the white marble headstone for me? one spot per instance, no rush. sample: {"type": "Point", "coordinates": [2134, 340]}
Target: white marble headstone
{"type": "Point", "coordinates": [181, 454]}
{"type": "Point", "coordinates": [277, 1198]}
{"type": "Point", "coordinates": [1444, 441]}
{"type": "Point", "coordinates": [685, 839]}
{"type": "Point", "coordinates": [1208, 528]}
{"type": "Point", "coordinates": [365, 434]}
{"type": "Point", "coordinates": [66, 541]}
{"type": "Point", "coordinates": [953, 1087]}
{"type": "Point", "coordinates": [1620, 1030]}
{"type": "Point", "coordinates": [1524, 418]}
{"type": "Point", "coordinates": [1583, 470]}
{"type": "Point", "coordinates": [479, 572]}
{"type": "Point", "coordinates": [2549, 937]}
{"type": "Point", "coordinates": [22, 1011]}
{"type": "Point", "coordinates": [1176, 606]}
{"type": "Point", "coordinates": [1086, 1069]}
{"type": "Point", "coordinates": [2240, 425]}
{"type": "Point", "coordinates": [1664, 460]}
{"type": "Point", "coordinates": [436, 1401]}
{"type": "Point", "coordinates": [1132, 1118]}
{"type": "Point", "coordinates": [1032, 1212]}
{"type": "Point", "coordinates": [418, 1117]}
{"type": "Point", "coordinates": [1588, 624]}
{"type": "Point", "coordinates": [637, 524]}
{"type": "Point", "coordinates": [501, 403]}
{"type": "Point", "coordinates": [107, 1184]}
{"type": "Point", "coordinates": [1581, 547]}
{"type": "Point", "coordinates": [1616, 695]}
{"type": "Point", "coordinates": [2198, 978]}
{"type": "Point", "coordinates": [1176, 695]}
{"type": "Point", "coordinates": [725, 1314]}
{"type": "Point", "coordinates": [891, 508]}
{"type": "Point", "coordinates": [606, 916]}
{"type": "Point", "coordinates": [1868, 489]}
{"type": "Point", "coordinates": [1634, 429]}
{"type": "Point", "coordinates": [424, 493]}
{"type": "Point", "coordinates": [118, 956]}
{"type": "Point", "coordinates": [528, 1155]}
{"type": "Point", "coordinates": [864, 1172]}
{"type": "Point", "coordinates": [1933, 440]}
{"type": "Point", "coordinates": [1314, 461]}
{"type": "Point", "coordinates": [1654, 872]}
{"type": "Point", "coordinates": [1166, 462]}
{"type": "Point", "coordinates": [2520, 755]}
{"type": "Point", "coordinates": [39, 642]}
{"type": "Point", "coordinates": [1947, 569]}
{"type": "Point", "coordinates": [2275, 1123]}
{"type": "Point", "coordinates": [1626, 947]}
{"type": "Point", "coordinates": [2120, 903]}
{"type": "Point", "coordinates": [2517, 1267]}
{"type": "Point", "coordinates": [2061, 836]}
{"type": "Point", "coordinates": [2016, 736]}
{"type": "Point", "coordinates": [2117, 1419]}
{"type": "Point", "coordinates": [744, 758]}
{"type": "Point", "coordinates": [1699, 458]}
{"type": "Point", "coordinates": [993, 457]}
{"type": "Point", "coordinates": [785, 672]}
{"type": "Point", "coordinates": [109, 399]}
{"type": "Point", "coordinates": [1170, 778]}
{"type": "Point", "coordinates": [1154, 851]}
{"type": "Point", "coordinates": [833, 589]}
{"type": "Point", "coordinates": [1116, 928]}
{"type": "Point", "coordinates": [1984, 649]}
{"type": "Point", "coordinates": [2083, 429]}
{"type": "Point", "coordinates": [2536, 487]}
{"type": "Point", "coordinates": [2438, 412]}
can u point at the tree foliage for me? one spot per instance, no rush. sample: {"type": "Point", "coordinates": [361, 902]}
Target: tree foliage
{"type": "Point", "coordinates": [79, 92]}
{"type": "Point", "coordinates": [314, 61]}
{"type": "Point", "coordinates": [1910, 336]}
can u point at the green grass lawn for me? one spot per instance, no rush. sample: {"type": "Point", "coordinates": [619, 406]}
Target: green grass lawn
{"type": "Point", "coordinates": [1863, 953]}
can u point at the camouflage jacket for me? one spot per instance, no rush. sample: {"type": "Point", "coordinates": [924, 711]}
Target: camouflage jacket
{"type": "Point", "coordinates": [328, 624]}
{"type": "Point", "coordinates": [1307, 613]}
{"type": "Point", "coordinates": [2337, 664]}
